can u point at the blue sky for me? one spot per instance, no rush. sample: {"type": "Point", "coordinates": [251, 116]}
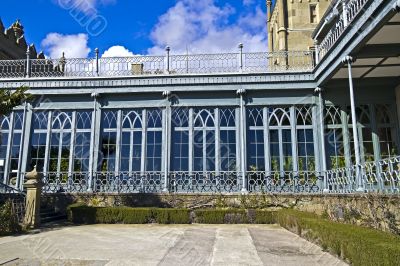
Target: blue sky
{"type": "Point", "coordinates": [127, 27]}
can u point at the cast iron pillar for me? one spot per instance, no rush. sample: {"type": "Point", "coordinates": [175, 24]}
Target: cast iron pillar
{"type": "Point", "coordinates": [242, 126]}
{"type": "Point", "coordinates": [349, 60]}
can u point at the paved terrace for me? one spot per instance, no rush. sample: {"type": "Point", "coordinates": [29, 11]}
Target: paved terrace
{"type": "Point", "coordinates": [164, 245]}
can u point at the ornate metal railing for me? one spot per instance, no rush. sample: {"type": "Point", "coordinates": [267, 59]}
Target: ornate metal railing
{"type": "Point", "coordinates": [285, 182]}
{"type": "Point", "coordinates": [382, 177]}
{"type": "Point", "coordinates": [128, 182]}
{"type": "Point", "coordinates": [348, 11]}
{"type": "Point", "coordinates": [65, 182]}
{"type": "Point", "coordinates": [342, 180]}
{"type": "Point", "coordinates": [13, 68]}
{"type": "Point", "coordinates": [17, 199]}
{"type": "Point", "coordinates": [292, 61]}
{"type": "Point", "coordinates": [204, 182]}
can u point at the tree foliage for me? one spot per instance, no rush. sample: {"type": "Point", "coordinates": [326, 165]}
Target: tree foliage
{"type": "Point", "coordinates": [10, 99]}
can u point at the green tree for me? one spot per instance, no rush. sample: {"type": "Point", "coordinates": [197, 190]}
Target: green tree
{"type": "Point", "coordinates": [9, 99]}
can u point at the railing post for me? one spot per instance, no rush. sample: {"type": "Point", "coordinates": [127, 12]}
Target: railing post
{"type": "Point", "coordinates": [28, 62]}
{"type": "Point", "coordinates": [242, 127]}
{"type": "Point", "coordinates": [168, 51]}
{"type": "Point", "coordinates": [344, 13]}
{"type": "Point", "coordinates": [241, 57]}
{"type": "Point", "coordinates": [316, 47]}
{"type": "Point", "coordinates": [349, 60]}
{"type": "Point", "coordinates": [97, 61]}
{"type": "Point", "coordinates": [63, 62]}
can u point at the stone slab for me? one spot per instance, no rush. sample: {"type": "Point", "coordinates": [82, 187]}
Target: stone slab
{"type": "Point", "coordinates": [163, 245]}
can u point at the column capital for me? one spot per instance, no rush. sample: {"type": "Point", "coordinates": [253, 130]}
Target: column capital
{"type": "Point", "coordinates": [95, 95]}
{"type": "Point", "coordinates": [241, 92]}
{"type": "Point", "coordinates": [396, 6]}
{"type": "Point", "coordinates": [348, 59]}
{"type": "Point", "coordinates": [318, 90]}
{"type": "Point", "coordinates": [166, 93]}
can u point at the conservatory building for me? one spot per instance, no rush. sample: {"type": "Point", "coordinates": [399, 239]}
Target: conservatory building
{"type": "Point", "coordinates": [323, 120]}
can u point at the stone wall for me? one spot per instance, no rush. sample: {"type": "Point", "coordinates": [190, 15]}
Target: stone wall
{"type": "Point", "coordinates": [376, 211]}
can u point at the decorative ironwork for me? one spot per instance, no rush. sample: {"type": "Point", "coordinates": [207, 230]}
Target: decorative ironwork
{"type": "Point", "coordinates": [17, 199]}
{"type": "Point", "coordinates": [382, 176]}
{"type": "Point", "coordinates": [285, 182]}
{"type": "Point", "coordinates": [12, 68]}
{"type": "Point", "coordinates": [65, 182]}
{"type": "Point", "coordinates": [350, 10]}
{"type": "Point", "coordinates": [204, 182]}
{"type": "Point", "coordinates": [129, 182]}
{"type": "Point", "coordinates": [264, 62]}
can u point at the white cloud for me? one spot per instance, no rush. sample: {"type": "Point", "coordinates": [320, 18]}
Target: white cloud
{"type": "Point", "coordinates": [117, 51]}
{"type": "Point", "coordinates": [74, 46]}
{"type": "Point", "coordinates": [204, 27]}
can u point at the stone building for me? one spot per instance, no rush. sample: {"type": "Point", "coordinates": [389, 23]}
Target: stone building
{"type": "Point", "coordinates": [292, 22]}
{"type": "Point", "coordinates": [13, 44]}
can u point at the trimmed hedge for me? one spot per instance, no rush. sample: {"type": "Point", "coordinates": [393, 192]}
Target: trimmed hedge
{"type": "Point", "coordinates": [221, 216]}
{"type": "Point", "coordinates": [81, 214]}
{"type": "Point", "coordinates": [171, 216]}
{"type": "Point", "coordinates": [359, 245]}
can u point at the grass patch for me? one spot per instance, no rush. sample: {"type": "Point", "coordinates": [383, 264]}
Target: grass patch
{"type": "Point", "coordinates": [221, 216]}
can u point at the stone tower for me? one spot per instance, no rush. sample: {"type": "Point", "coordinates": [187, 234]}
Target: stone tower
{"type": "Point", "coordinates": [290, 23]}
{"type": "Point", "coordinates": [13, 44]}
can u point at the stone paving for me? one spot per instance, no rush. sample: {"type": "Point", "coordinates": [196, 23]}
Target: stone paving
{"type": "Point", "coordinates": [163, 245]}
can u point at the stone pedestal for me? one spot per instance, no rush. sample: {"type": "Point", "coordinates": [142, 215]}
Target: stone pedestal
{"type": "Point", "coordinates": [33, 187]}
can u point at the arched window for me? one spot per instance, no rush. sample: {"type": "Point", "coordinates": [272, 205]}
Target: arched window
{"type": "Point", "coordinates": [363, 113]}
{"type": "Point", "coordinates": [305, 139]}
{"type": "Point", "coordinates": [4, 133]}
{"type": "Point", "coordinates": [60, 142]}
{"type": "Point", "coordinates": [180, 140]}
{"type": "Point", "coordinates": [107, 160]}
{"type": "Point", "coordinates": [204, 140]}
{"type": "Point", "coordinates": [39, 140]}
{"type": "Point", "coordinates": [334, 145]}
{"type": "Point", "coordinates": [227, 128]}
{"type": "Point", "coordinates": [131, 141]}
{"type": "Point", "coordinates": [82, 142]}
{"type": "Point", "coordinates": [386, 131]}
{"type": "Point", "coordinates": [11, 137]}
{"type": "Point", "coordinates": [154, 140]}
{"type": "Point", "coordinates": [280, 134]}
{"type": "Point", "coordinates": [255, 140]}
